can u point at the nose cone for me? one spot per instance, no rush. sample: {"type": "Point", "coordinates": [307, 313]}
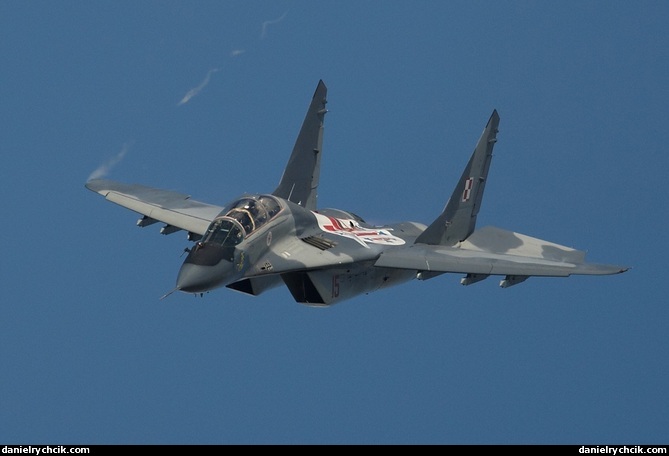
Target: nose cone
{"type": "Point", "coordinates": [198, 274]}
{"type": "Point", "coordinates": [194, 278]}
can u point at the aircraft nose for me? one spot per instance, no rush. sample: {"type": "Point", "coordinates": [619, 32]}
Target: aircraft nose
{"type": "Point", "coordinates": [190, 278]}
{"type": "Point", "coordinates": [207, 266]}
{"type": "Point", "coordinates": [195, 278]}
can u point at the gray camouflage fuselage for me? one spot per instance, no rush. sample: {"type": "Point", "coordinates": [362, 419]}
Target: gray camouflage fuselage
{"type": "Point", "coordinates": [324, 256]}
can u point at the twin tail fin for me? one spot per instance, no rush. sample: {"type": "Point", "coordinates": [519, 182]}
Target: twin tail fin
{"type": "Point", "coordinates": [458, 219]}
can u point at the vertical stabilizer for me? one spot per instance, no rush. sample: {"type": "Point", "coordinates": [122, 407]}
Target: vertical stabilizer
{"type": "Point", "coordinates": [458, 219]}
{"type": "Point", "coordinates": [299, 182]}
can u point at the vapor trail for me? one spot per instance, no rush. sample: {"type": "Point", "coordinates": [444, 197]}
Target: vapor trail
{"type": "Point", "coordinates": [105, 168]}
{"type": "Point", "coordinates": [192, 92]}
{"type": "Point", "coordinates": [271, 22]}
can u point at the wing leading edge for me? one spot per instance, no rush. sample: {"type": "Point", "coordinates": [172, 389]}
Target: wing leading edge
{"type": "Point", "coordinates": [176, 210]}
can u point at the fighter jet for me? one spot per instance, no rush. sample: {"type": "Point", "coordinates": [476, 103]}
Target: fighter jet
{"type": "Point", "coordinates": [324, 255]}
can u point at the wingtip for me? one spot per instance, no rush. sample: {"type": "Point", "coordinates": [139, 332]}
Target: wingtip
{"type": "Point", "coordinates": [95, 185]}
{"type": "Point", "coordinates": [616, 269]}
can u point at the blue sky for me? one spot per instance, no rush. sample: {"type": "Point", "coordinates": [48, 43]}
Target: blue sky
{"type": "Point", "coordinates": [207, 97]}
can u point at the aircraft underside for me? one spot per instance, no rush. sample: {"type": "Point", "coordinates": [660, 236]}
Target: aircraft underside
{"type": "Point", "coordinates": [326, 287]}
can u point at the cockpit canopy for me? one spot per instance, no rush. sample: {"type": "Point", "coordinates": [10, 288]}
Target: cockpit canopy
{"type": "Point", "coordinates": [241, 218]}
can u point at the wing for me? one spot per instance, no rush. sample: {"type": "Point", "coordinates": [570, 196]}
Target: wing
{"type": "Point", "coordinates": [176, 210]}
{"type": "Point", "coordinates": [493, 251]}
